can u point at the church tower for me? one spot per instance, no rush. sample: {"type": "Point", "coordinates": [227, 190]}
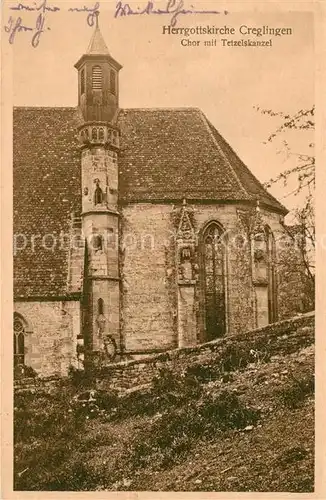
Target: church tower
{"type": "Point", "coordinates": [98, 100]}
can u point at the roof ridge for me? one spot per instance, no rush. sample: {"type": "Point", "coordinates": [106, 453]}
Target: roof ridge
{"type": "Point", "coordinates": [187, 108]}
{"type": "Point", "coordinates": [205, 120]}
{"type": "Point", "coordinates": [45, 107]}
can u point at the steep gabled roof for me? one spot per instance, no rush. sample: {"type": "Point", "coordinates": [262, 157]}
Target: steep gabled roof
{"type": "Point", "coordinates": [170, 154]}
{"type": "Point", "coordinates": [166, 155]}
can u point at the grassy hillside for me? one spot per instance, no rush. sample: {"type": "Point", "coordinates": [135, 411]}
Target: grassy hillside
{"type": "Point", "coordinates": [242, 422]}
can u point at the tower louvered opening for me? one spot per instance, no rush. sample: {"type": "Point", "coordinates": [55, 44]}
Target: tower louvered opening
{"type": "Point", "coordinates": [97, 78]}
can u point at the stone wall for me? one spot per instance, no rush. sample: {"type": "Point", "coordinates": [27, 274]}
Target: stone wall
{"type": "Point", "coordinates": [147, 266]}
{"type": "Point", "coordinates": [279, 338]}
{"type": "Point", "coordinates": [51, 335]}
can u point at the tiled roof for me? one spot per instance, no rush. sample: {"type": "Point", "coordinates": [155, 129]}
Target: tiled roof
{"type": "Point", "coordinates": [169, 154]}
{"type": "Point", "coordinates": [46, 191]}
{"type": "Point", "coordinates": [166, 154]}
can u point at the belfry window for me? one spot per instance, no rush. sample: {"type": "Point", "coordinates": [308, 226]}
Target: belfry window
{"type": "Point", "coordinates": [97, 78]}
{"type": "Point", "coordinates": [113, 81]}
{"type": "Point", "coordinates": [82, 82]}
{"type": "Point", "coordinates": [214, 281]}
{"type": "Point", "coordinates": [19, 341]}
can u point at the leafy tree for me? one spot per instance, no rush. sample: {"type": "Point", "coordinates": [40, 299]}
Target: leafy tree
{"type": "Point", "coordinates": [301, 175]}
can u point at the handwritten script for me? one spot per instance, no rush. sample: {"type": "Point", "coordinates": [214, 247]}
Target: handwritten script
{"type": "Point", "coordinates": [16, 24]}
{"type": "Point", "coordinates": [174, 8]}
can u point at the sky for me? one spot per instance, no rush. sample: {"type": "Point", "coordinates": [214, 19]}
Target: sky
{"type": "Point", "coordinates": [227, 83]}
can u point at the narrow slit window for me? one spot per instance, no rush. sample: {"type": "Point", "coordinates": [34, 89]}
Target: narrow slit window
{"type": "Point", "coordinates": [97, 78]}
{"type": "Point", "coordinates": [100, 306]}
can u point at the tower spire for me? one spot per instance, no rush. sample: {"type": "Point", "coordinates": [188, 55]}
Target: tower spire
{"type": "Point", "coordinates": [97, 45]}
{"type": "Point", "coordinates": [98, 80]}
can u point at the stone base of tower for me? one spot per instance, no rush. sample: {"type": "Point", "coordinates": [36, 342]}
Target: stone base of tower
{"type": "Point", "coordinates": [102, 321]}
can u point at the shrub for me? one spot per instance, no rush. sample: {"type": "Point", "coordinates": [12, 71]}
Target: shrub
{"type": "Point", "coordinates": [24, 371]}
{"type": "Point", "coordinates": [168, 389]}
{"type": "Point", "coordinates": [204, 373]}
{"type": "Point", "coordinates": [172, 434]}
{"type": "Point", "coordinates": [81, 378]}
{"type": "Point", "coordinates": [235, 357]}
{"type": "Point", "coordinates": [296, 390]}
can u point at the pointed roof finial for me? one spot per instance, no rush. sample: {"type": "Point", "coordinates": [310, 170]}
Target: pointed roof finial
{"type": "Point", "coordinates": [97, 45]}
{"type": "Point", "coordinates": [97, 13]}
{"type": "Point", "coordinates": [184, 202]}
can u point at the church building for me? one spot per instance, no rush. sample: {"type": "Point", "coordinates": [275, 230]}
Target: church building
{"type": "Point", "coordinates": [135, 230]}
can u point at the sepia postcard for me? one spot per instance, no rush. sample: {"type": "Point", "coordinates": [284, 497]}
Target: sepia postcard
{"type": "Point", "coordinates": [162, 249]}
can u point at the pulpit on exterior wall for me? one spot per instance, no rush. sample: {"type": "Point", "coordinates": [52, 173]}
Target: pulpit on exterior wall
{"type": "Point", "coordinates": [186, 279]}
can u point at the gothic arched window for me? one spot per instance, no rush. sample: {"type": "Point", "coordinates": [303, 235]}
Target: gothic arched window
{"type": "Point", "coordinates": [19, 341]}
{"type": "Point", "coordinates": [214, 281]}
{"type": "Point", "coordinates": [94, 134]}
{"type": "Point", "coordinates": [271, 275]}
{"type": "Point", "coordinates": [101, 134]}
{"type": "Point", "coordinates": [97, 79]}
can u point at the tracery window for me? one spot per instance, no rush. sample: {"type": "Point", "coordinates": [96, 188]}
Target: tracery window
{"type": "Point", "coordinates": [19, 341]}
{"type": "Point", "coordinates": [214, 281]}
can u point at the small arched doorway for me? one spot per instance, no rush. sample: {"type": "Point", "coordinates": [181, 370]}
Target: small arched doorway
{"type": "Point", "coordinates": [214, 281]}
